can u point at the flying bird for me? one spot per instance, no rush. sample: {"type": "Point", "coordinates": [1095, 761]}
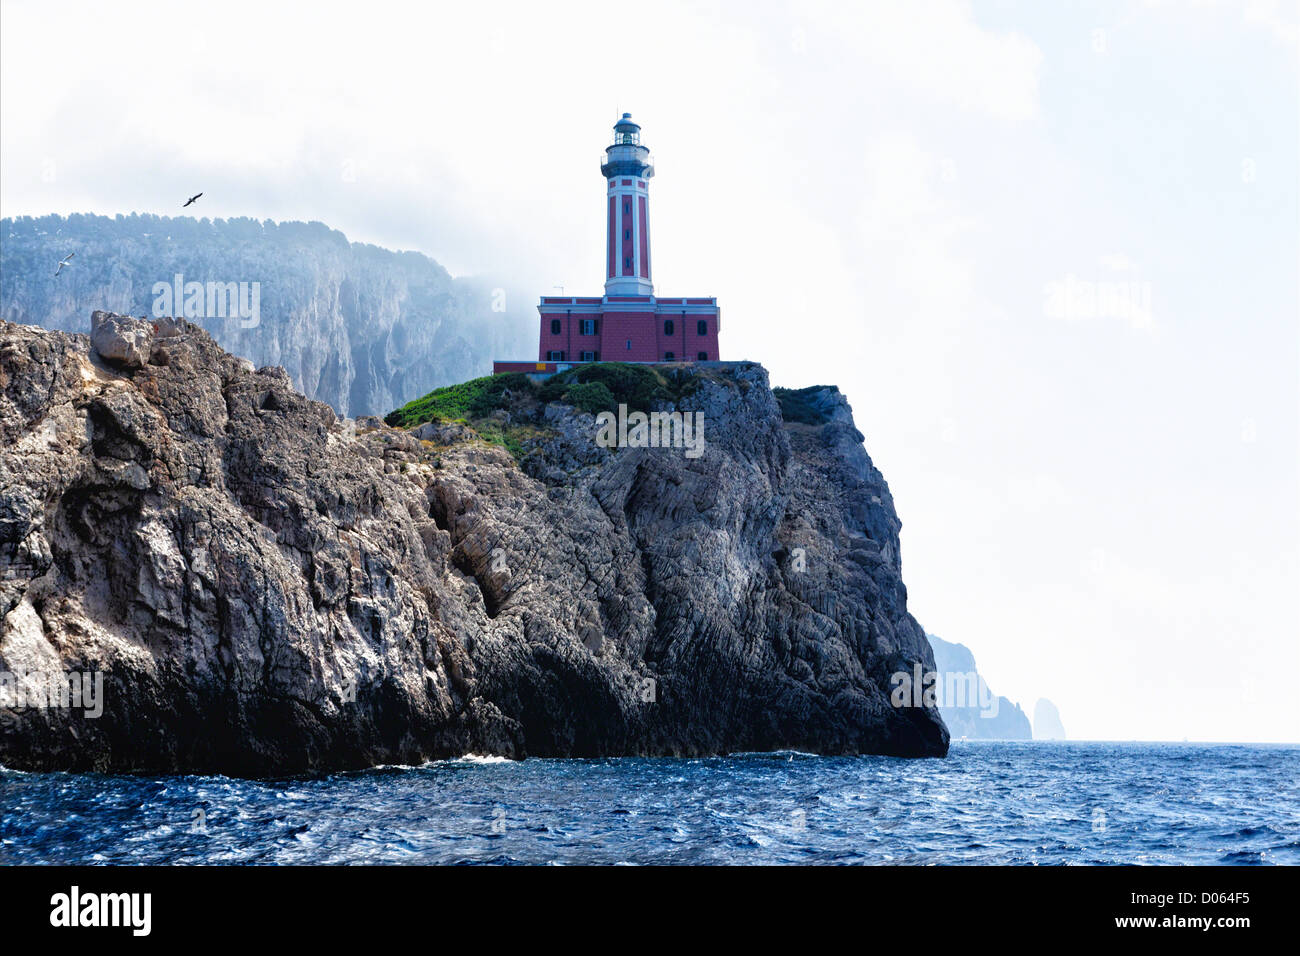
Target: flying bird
{"type": "Point", "coordinates": [191, 199]}
{"type": "Point", "coordinates": [65, 261]}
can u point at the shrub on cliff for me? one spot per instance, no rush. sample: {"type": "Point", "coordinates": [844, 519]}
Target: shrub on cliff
{"type": "Point", "coordinates": [594, 387]}
{"type": "Point", "coordinates": [476, 398]}
{"type": "Point", "coordinates": [591, 397]}
{"type": "Point", "coordinates": [636, 386]}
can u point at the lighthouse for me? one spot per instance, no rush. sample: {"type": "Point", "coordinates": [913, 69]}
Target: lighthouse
{"type": "Point", "coordinates": [629, 323]}
{"type": "Point", "coordinates": [627, 168]}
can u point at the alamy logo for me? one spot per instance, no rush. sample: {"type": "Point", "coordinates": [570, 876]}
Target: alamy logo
{"type": "Point", "coordinates": [653, 430]}
{"type": "Point", "coordinates": [75, 690]}
{"type": "Point", "coordinates": [211, 300]}
{"type": "Point", "coordinates": [74, 909]}
{"type": "Point", "coordinates": [947, 689]}
{"type": "Point", "coordinates": [1073, 299]}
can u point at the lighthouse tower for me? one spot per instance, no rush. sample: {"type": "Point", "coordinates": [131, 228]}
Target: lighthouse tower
{"type": "Point", "coordinates": [629, 323]}
{"type": "Point", "coordinates": [628, 169]}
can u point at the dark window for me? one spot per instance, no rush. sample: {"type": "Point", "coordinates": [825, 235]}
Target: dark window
{"type": "Point", "coordinates": [702, 327]}
{"type": "Point", "coordinates": [668, 356]}
{"type": "Point", "coordinates": [555, 356]}
{"type": "Point", "coordinates": [627, 207]}
{"type": "Point", "coordinates": [627, 263]}
{"type": "Point", "coordinates": [589, 356]}
{"type": "Point", "coordinates": [668, 326]}
{"type": "Point", "coordinates": [627, 233]}
{"type": "Point", "coordinates": [703, 356]}
{"type": "Point", "coordinates": [588, 327]}
{"type": "Point", "coordinates": [555, 326]}
{"type": "Point", "coordinates": [629, 345]}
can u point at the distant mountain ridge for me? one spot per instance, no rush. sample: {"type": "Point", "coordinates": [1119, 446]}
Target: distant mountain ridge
{"type": "Point", "coordinates": [363, 328]}
{"type": "Point", "coordinates": [1003, 721]}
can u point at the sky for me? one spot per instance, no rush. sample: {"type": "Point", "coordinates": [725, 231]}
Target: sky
{"type": "Point", "coordinates": [1049, 251]}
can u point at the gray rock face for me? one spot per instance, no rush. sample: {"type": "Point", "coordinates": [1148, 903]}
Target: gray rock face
{"type": "Point", "coordinates": [362, 328]}
{"type": "Point", "coordinates": [126, 344]}
{"type": "Point", "coordinates": [264, 588]}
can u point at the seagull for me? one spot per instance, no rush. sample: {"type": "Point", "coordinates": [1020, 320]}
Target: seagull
{"type": "Point", "coordinates": [191, 199]}
{"type": "Point", "coordinates": [65, 261]}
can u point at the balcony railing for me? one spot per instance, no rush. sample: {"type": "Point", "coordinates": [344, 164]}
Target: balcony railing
{"type": "Point", "coordinates": [622, 155]}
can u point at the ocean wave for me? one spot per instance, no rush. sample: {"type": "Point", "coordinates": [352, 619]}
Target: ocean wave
{"type": "Point", "coordinates": [992, 804]}
{"type": "Point", "coordinates": [481, 759]}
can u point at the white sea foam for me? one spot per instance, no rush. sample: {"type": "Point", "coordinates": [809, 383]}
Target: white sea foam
{"type": "Point", "coordinates": [482, 758]}
{"type": "Point", "coordinates": [465, 758]}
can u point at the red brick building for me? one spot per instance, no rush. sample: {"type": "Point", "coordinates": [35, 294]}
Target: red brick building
{"type": "Point", "coordinates": [629, 323]}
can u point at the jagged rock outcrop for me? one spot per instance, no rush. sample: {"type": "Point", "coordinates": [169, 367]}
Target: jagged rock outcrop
{"type": "Point", "coordinates": [265, 588]}
{"type": "Point", "coordinates": [967, 704]}
{"type": "Point", "coordinates": [1047, 721]}
{"type": "Point", "coordinates": [361, 328]}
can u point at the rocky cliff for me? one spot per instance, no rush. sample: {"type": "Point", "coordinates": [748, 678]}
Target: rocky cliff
{"type": "Point", "coordinates": [361, 328]}
{"type": "Point", "coordinates": [266, 588]}
{"type": "Point", "coordinates": [967, 704]}
{"type": "Point", "coordinates": [1047, 721]}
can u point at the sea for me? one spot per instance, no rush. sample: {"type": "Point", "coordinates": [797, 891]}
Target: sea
{"type": "Point", "coordinates": [1030, 803]}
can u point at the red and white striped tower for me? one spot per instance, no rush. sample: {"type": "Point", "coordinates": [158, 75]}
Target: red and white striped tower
{"type": "Point", "coordinates": [627, 167]}
{"type": "Point", "coordinates": [629, 323]}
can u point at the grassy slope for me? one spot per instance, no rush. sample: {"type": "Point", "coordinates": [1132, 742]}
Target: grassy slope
{"type": "Point", "coordinates": [595, 387]}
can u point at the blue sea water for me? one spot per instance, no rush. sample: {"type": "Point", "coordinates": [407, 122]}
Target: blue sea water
{"type": "Point", "coordinates": [991, 803]}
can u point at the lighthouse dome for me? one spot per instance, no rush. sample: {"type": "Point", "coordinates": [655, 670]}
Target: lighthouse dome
{"type": "Point", "coordinates": [626, 131]}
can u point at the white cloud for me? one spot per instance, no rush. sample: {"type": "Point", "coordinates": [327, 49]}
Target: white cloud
{"type": "Point", "coordinates": [1278, 19]}
{"type": "Point", "coordinates": [937, 51]}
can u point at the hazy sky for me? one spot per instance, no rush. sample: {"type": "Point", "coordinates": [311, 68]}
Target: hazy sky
{"type": "Point", "coordinates": [1100, 495]}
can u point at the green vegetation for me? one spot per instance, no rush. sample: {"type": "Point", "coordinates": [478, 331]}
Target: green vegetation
{"type": "Point", "coordinates": [476, 398]}
{"type": "Point", "coordinates": [795, 406]}
{"type": "Point", "coordinates": [595, 387]}
{"type": "Point", "coordinates": [472, 403]}
{"type": "Point", "coordinates": [508, 437]}
{"type": "Point", "coordinates": [636, 386]}
{"type": "Point", "coordinates": [591, 397]}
